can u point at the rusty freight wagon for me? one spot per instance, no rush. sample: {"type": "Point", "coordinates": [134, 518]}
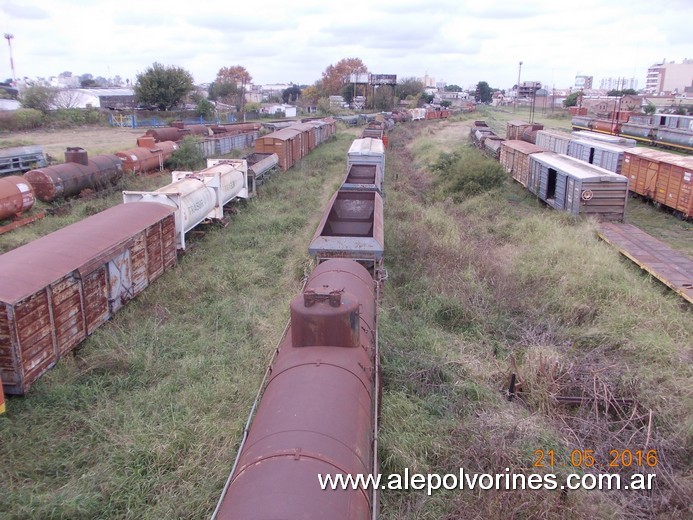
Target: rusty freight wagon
{"type": "Point", "coordinates": [368, 177]}
{"type": "Point", "coordinates": [56, 290]}
{"type": "Point", "coordinates": [515, 129]}
{"type": "Point", "coordinates": [286, 143]}
{"type": "Point", "coordinates": [661, 176]}
{"type": "Point", "coordinates": [514, 157]}
{"type": "Point", "coordinates": [580, 188]}
{"type": "Point", "coordinates": [352, 227]}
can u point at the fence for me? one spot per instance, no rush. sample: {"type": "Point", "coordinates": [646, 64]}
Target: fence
{"type": "Point", "coordinates": [159, 119]}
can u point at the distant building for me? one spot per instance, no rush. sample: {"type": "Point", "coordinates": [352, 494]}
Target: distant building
{"type": "Point", "coordinates": [113, 98]}
{"type": "Point", "coordinates": [669, 78]}
{"type": "Point", "coordinates": [583, 82]}
{"type": "Point", "coordinates": [618, 84]}
{"type": "Point", "coordinates": [527, 89]}
{"type": "Point", "coordinates": [428, 81]}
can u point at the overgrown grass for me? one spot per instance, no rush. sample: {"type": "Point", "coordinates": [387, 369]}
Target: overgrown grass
{"type": "Point", "coordinates": [497, 285]}
{"type": "Point", "coordinates": [145, 419]}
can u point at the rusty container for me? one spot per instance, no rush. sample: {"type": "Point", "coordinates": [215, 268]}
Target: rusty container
{"type": "Point", "coordinates": [71, 178]}
{"type": "Point", "coordinates": [675, 183]}
{"type": "Point", "coordinates": [147, 158]}
{"type": "Point", "coordinates": [367, 177]}
{"type": "Point", "coordinates": [283, 143]}
{"type": "Point", "coordinates": [351, 227]}
{"type": "Point", "coordinates": [201, 130]}
{"type": "Point", "coordinates": [56, 290]}
{"type": "Point", "coordinates": [316, 416]}
{"type": "Point", "coordinates": [641, 166]}
{"type": "Point", "coordinates": [16, 196]}
{"type": "Point", "coordinates": [169, 133]}
{"type": "Point", "coordinates": [514, 157]}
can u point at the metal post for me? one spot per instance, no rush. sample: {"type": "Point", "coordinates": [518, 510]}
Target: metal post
{"type": "Point", "coordinates": [9, 37]}
{"type": "Point", "coordinates": [517, 93]}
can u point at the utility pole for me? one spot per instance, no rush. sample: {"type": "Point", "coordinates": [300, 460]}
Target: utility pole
{"type": "Point", "coordinates": [9, 37]}
{"type": "Point", "coordinates": [517, 92]}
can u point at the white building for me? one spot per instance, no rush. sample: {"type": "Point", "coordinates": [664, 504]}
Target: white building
{"type": "Point", "coordinates": [667, 78]}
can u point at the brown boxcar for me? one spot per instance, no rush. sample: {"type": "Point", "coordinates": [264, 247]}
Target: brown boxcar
{"type": "Point", "coordinates": [285, 143]}
{"type": "Point", "coordinates": [674, 184]}
{"type": "Point", "coordinates": [58, 289]}
{"type": "Point", "coordinates": [514, 157]}
{"type": "Point", "coordinates": [514, 129]}
{"type": "Point", "coordinates": [661, 176]}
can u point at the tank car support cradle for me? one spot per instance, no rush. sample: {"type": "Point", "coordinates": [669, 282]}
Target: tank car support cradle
{"type": "Point", "coordinates": [21, 222]}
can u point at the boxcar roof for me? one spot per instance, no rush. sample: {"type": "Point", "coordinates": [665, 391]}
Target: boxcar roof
{"type": "Point", "coordinates": [662, 156]}
{"type": "Point", "coordinates": [576, 168]}
{"type": "Point", "coordinates": [602, 145]}
{"type": "Point", "coordinates": [366, 146]}
{"type": "Point", "coordinates": [522, 146]}
{"type": "Point", "coordinates": [29, 268]}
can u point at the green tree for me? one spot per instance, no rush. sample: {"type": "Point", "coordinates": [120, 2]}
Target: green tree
{"type": "Point", "coordinates": [205, 108]}
{"type": "Point", "coordinates": [238, 77]}
{"type": "Point", "coordinates": [384, 98]}
{"type": "Point", "coordinates": [453, 88]}
{"type": "Point", "coordinates": [650, 108]}
{"type": "Point", "coordinates": [223, 91]}
{"type": "Point", "coordinates": [445, 104]}
{"type": "Point", "coordinates": [408, 87]}
{"type": "Point", "coordinates": [572, 99]}
{"type": "Point", "coordinates": [348, 92]}
{"type": "Point", "coordinates": [38, 97]}
{"type": "Point", "coordinates": [163, 86]}
{"type": "Point", "coordinates": [483, 92]}
{"type": "Point", "coordinates": [291, 94]}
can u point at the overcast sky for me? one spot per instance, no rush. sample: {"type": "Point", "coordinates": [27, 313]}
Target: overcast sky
{"type": "Point", "coordinates": [457, 41]}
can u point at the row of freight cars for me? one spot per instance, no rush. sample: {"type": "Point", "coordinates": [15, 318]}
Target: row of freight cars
{"type": "Point", "coordinates": [319, 409]}
{"type": "Point", "coordinates": [56, 290]}
{"type": "Point", "coordinates": [663, 177]}
{"type": "Point", "coordinates": [80, 172]}
{"type": "Point", "coordinates": [669, 130]}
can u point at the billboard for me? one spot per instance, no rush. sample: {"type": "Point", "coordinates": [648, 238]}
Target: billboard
{"type": "Point", "coordinates": [383, 79]}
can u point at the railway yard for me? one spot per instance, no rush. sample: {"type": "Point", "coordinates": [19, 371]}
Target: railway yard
{"type": "Point", "coordinates": [506, 329]}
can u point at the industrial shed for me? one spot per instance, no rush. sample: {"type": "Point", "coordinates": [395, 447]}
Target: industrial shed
{"type": "Point", "coordinates": [112, 98]}
{"type": "Point", "coordinates": [568, 184]}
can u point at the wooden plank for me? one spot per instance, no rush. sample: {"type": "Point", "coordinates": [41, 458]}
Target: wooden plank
{"type": "Point", "coordinates": [672, 268]}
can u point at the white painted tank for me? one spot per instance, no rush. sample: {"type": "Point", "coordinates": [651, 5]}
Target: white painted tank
{"type": "Point", "coordinates": [193, 199]}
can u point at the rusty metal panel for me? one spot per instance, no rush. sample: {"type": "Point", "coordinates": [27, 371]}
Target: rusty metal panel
{"type": "Point", "coordinates": [514, 157]}
{"type": "Point", "coordinates": [96, 307]}
{"type": "Point", "coordinates": [316, 415]}
{"type": "Point", "coordinates": [671, 267]}
{"type": "Point", "coordinates": [68, 316]}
